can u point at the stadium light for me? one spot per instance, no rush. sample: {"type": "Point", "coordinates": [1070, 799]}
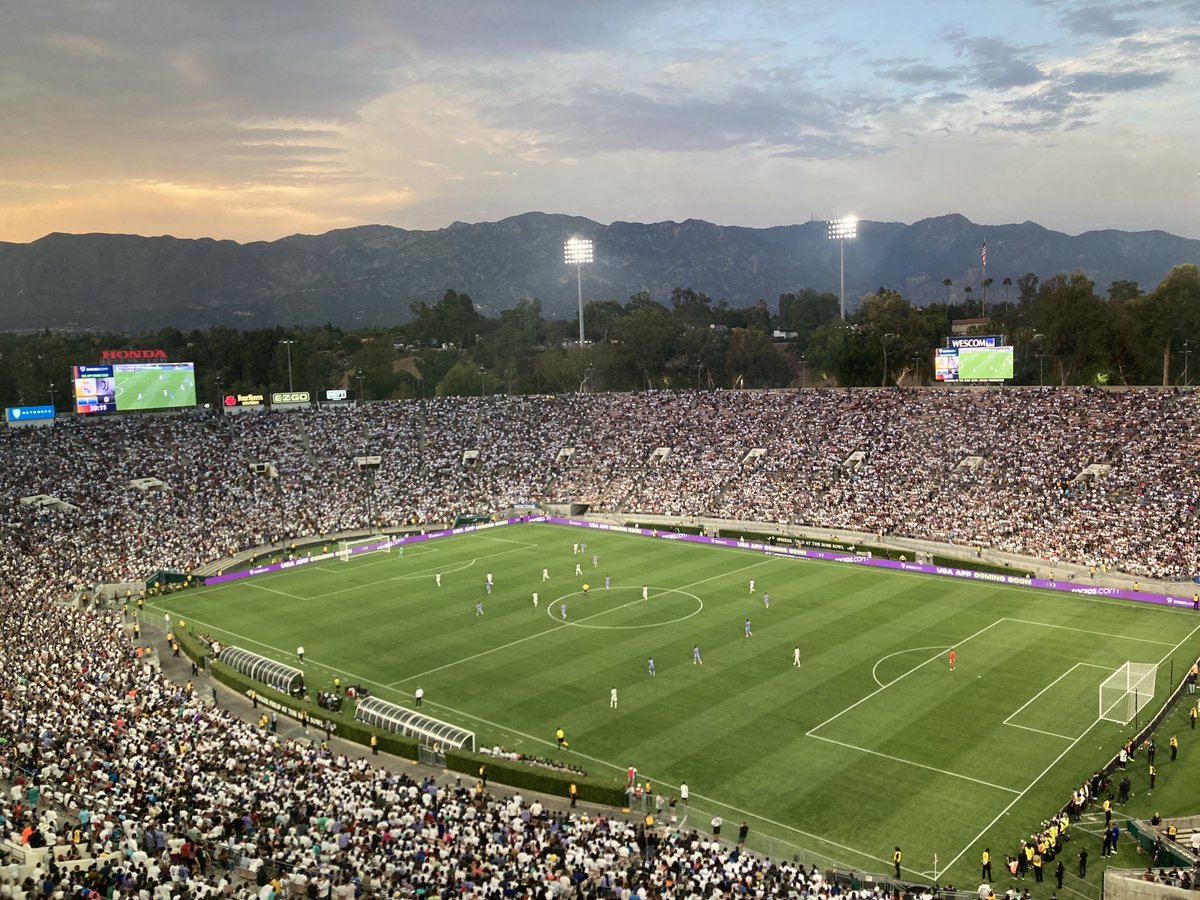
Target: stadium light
{"type": "Point", "coordinates": [479, 408]}
{"type": "Point", "coordinates": [841, 230]}
{"type": "Point", "coordinates": [1186, 351]}
{"type": "Point", "coordinates": [576, 252]}
{"type": "Point", "coordinates": [288, 344]}
{"type": "Point", "coordinates": [52, 403]}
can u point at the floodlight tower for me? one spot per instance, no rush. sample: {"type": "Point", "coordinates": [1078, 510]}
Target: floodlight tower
{"type": "Point", "coordinates": [840, 230]}
{"type": "Point", "coordinates": [576, 252]}
{"type": "Point", "coordinates": [288, 344]}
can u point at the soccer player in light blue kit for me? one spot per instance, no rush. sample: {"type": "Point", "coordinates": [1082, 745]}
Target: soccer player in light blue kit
{"type": "Point", "coordinates": [696, 660]}
{"type": "Point", "coordinates": [766, 600]}
{"type": "Point", "coordinates": [650, 667]}
{"type": "Point", "coordinates": [562, 610]}
{"type": "Point", "coordinates": [749, 633]}
{"type": "Point", "coordinates": [607, 582]}
{"type": "Point", "coordinates": [479, 607]}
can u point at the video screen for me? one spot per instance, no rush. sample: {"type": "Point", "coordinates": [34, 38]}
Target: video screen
{"type": "Point", "coordinates": [130, 387]}
{"type": "Point", "coordinates": [992, 364]}
{"type": "Point", "coordinates": [973, 364]}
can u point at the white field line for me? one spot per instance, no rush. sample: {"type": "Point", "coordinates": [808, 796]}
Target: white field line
{"type": "Point", "coordinates": [556, 628]}
{"type": "Point", "coordinates": [909, 762]}
{"type": "Point", "coordinates": [1019, 709]}
{"type": "Point", "coordinates": [1017, 799]}
{"type": "Point", "coordinates": [812, 731]}
{"type": "Point", "coordinates": [1123, 637]}
{"type": "Point", "coordinates": [252, 582]}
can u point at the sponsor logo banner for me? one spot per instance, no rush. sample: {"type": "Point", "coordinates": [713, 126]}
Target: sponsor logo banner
{"type": "Point", "coordinates": [28, 413]}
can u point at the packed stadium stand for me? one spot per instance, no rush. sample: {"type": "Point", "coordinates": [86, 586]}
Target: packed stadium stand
{"type": "Point", "coordinates": [175, 797]}
{"type": "Point", "coordinates": [1030, 492]}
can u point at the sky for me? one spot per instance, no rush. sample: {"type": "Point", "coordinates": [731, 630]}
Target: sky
{"type": "Point", "coordinates": [254, 119]}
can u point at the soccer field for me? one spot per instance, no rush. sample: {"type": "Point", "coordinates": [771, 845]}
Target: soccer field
{"type": "Point", "coordinates": [148, 387]}
{"type": "Point", "coordinates": [871, 742]}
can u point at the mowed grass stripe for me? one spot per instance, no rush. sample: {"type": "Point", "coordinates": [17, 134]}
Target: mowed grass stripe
{"type": "Point", "coordinates": [735, 728]}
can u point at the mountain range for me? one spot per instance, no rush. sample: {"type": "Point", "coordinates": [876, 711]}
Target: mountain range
{"type": "Point", "coordinates": [369, 275]}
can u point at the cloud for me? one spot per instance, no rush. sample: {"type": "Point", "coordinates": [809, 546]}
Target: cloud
{"type": "Point", "coordinates": [1115, 82]}
{"type": "Point", "coordinates": [280, 114]}
{"type": "Point", "coordinates": [1098, 20]}
{"type": "Point", "coordinates": [995, 63]}
{"type": "Point", "coordinates": [919, 73]}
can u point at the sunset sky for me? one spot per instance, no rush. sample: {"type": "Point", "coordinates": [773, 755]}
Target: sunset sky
{"type": "Point", "coordinates": [255, 119]}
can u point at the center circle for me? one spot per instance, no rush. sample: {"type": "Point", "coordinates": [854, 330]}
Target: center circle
{"type": "Point", "coordinates": [553, 611]}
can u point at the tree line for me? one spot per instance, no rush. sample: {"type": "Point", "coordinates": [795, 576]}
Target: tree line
{"type": "Point", "coordinates": [1062, 329]}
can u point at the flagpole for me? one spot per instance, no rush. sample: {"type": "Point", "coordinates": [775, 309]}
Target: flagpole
{"type": "Point", "coordinates": [983, 257]}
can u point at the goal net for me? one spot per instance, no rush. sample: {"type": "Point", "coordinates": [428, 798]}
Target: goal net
{"type": "Point", "coordinates": [347, 550]}
{"type": "Point", "coordinates": [1127, 691]}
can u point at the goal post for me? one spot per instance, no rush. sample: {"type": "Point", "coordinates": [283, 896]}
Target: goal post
{"type": "Point", "coordinates": [1127, 691]}
{"type": "Point", "coordinates": [348, 549]}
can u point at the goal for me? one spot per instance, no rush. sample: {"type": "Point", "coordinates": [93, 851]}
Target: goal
{"type": "Point", "coordinates": [347, 550]}
{"type": "Point", "coordinates": [1127, 691]}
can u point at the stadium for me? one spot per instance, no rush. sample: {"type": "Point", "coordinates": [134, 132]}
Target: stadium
{"type": "Point", "coordinates": [881, 630]}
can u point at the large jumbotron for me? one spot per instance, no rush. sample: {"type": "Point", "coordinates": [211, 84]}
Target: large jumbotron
{"type": "Point", "coordinates": [836, 731]}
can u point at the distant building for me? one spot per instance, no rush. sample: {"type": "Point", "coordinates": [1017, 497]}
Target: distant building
{"type": "Point", "coordinates": [968, 326]}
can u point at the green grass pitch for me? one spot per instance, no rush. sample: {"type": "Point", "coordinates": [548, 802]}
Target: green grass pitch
{"type": "Point", "coordinates": [870, 743]}
{"type": "Point", "coordinates": [149, 388]}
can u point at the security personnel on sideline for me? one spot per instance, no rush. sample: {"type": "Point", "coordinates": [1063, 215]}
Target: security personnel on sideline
{"type": "Point", "coordinates": [897, 856]}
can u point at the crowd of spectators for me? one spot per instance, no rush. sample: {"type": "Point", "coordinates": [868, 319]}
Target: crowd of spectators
{"type": "Point", "coordinates": [996, 468]}
{"type": "Point", "coordinates": [171, 795]}
{"type": "Point", "coordinates": [146, 790]}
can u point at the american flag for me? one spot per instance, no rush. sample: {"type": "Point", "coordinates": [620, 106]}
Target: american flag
{"type": "Point", "coordinates": [983, 254]}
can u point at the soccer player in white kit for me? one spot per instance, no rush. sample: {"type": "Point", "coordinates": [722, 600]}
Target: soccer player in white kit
{"type": "Point", "coordinates": [535, 599]}
{"type": "Point", "coordinates": [752, 585]}
{"type": "Point", "coordinates": [545, 574]}
{"type": "Point", "coordinates": [645, 592]}
{"type": "Point", "coordinates": [438, 579]}
{"type": "Point", "coordinates": [612, 699]}
{"type": "Point", "coordinates": [796, 656]}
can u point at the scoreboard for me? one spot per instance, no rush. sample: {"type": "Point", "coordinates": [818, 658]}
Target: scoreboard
{"type": "Point", "coordinates": [95, 389]}
{"type": "Point", "coordinates": [129, 387]}
{"type": "Point", "coordinates": [973, 359]}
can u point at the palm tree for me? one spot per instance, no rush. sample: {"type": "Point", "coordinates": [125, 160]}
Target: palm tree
{"type": "Point", "coordinates": [1007, 282]}
{"type": "Point", "coordinates": [987, 283]}
{"type": "Point", "coordinates": [947, 283]}
{"type": "Point", "coordinates": [967, 291]}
